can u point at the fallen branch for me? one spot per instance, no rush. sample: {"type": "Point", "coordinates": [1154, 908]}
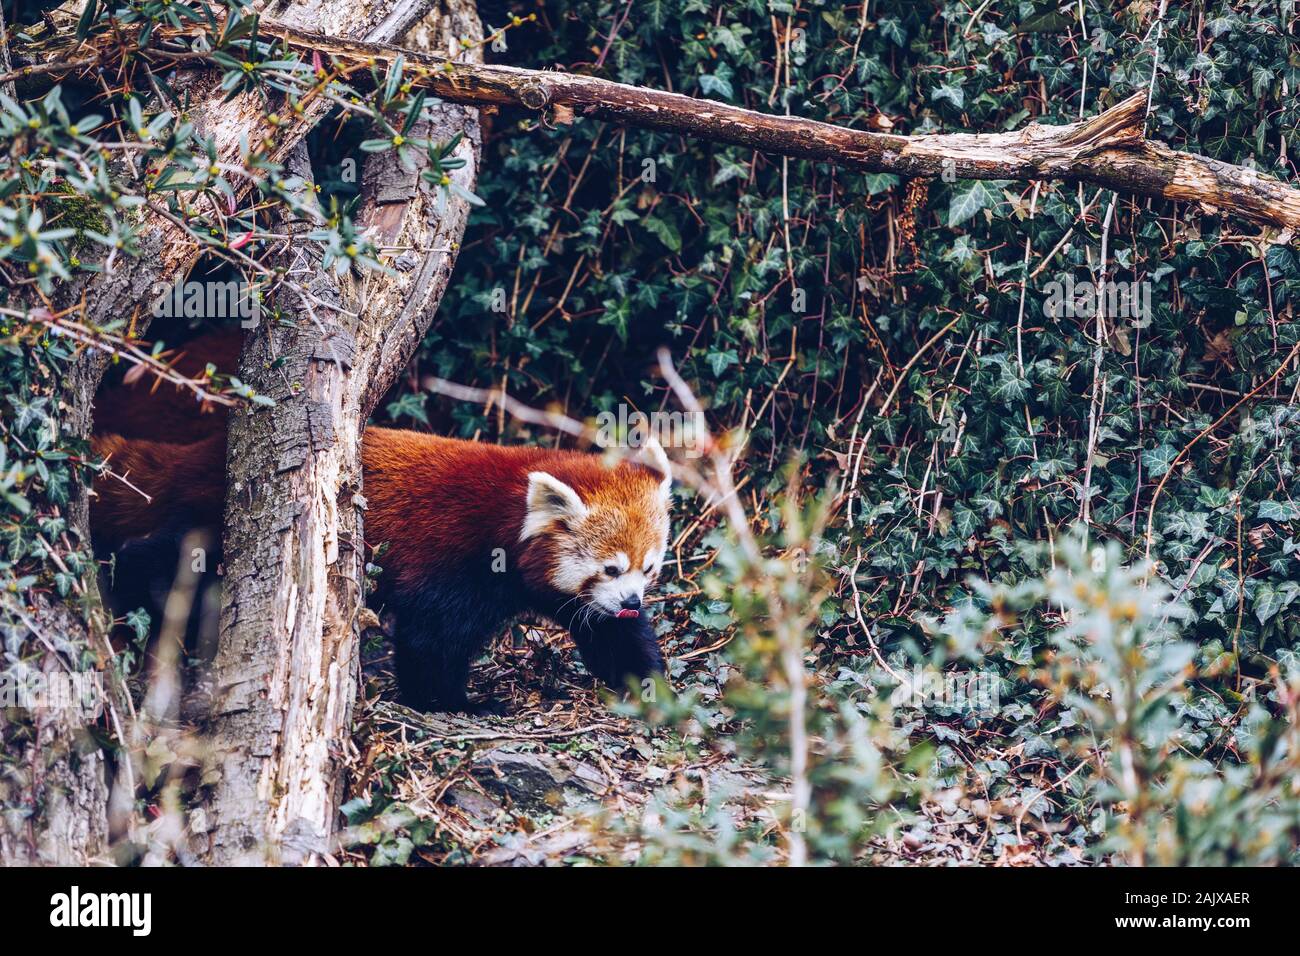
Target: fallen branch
{"type": "Point", "coordinates": [1107, 150]}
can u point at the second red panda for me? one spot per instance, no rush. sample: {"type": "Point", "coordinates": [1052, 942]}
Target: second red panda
{"type": "Point", "coordinates": [477, 535]}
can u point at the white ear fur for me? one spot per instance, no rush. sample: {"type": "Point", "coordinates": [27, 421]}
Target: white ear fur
{"type": "Point", "coordinates": [549, 500]}
{"type": "Point", "coordinates": [653, 455]}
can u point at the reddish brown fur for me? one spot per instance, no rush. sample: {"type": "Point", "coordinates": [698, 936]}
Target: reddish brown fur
{"type": "Point", "coordinates": [150, 408]}
{"type": "Point", "coordinates": [152, 485]}
{"type": "Point", "coordinates": [451, 513]}
{"type": "Point", "coordinates": [437, 502]}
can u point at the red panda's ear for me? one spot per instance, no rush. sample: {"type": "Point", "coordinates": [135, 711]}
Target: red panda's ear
{"type": "Point", "coordinates": [550, 500]}
{"type": "Point", "coordinates": [653, 457]}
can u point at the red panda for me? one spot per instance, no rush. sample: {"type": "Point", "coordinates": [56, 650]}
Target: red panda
{"type": "Point", "coordinates": [477, 535]}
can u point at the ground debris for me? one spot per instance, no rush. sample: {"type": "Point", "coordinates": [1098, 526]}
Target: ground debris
{"type": "Point", "coordinates": [556, 778]}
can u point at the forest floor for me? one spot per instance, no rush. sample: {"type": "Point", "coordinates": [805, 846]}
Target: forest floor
{"type": "Point", "coordinates": [556, 777]}
{"type": "Point", "coordinates": [559, 777]}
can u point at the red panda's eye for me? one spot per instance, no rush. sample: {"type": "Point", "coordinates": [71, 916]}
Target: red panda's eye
{"type": "Point", "coordinates": [612, 570]}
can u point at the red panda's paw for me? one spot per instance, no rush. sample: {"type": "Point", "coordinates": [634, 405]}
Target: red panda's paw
{"type": "Point", "coordinates": [618, 650]}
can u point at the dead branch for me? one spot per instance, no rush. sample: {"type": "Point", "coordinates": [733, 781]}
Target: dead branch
{"type": "Point", "coordinates": [1107, 150]}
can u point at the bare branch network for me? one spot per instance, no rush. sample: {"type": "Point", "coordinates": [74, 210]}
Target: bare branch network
{"type": "Point", "coordinates": [1108, 150]}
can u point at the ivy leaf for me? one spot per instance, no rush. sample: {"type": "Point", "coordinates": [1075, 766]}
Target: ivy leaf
{"type": "Point", "coordinates": [665, 232]}
{"type": "Point", "coordinates": [412, 404]}
{"type": "Point", "coordinates": [950, 92]}
{"type": "Point", "coordinates": [711, 84]}
{"type": "Point", "coordinates": [715, 616]}
{"type": "Point", "coordinates": [891, 29]}
{"type": "Point", "coordinates": [1278, 511]}
{"type": "Point", "coordinates": [964, 520]}
{"type": "Point", "coordinates": [1157, 460]}
{"type": "Point", "coordinates": [719, 360]}
{"type": "Point", "coordinates": [967, 201]}
{"type": "Point", "coordinates": [1271, 599]}
{"type": "Point", "coordinates": [1009, 389]}
{"type": "Point", "coordinates": [1049, 21]}
{"type": "Point", "coordinates": [880, 182]}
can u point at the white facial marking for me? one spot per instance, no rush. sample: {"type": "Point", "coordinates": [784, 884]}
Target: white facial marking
{"type": "Point", "coordinates": [653, 454]}
{"type": "Point", "coordinates": [550, 500]}
{"type": "Point", "coordinates": [581, 566]}
{"type": "Point", "coordinates": [609, 595]}
{"type": "Point", "coordinates": [573, 569]}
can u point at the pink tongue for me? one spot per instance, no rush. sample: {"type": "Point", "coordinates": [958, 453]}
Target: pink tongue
{"type": "Point", "coordinates": [627, 612]}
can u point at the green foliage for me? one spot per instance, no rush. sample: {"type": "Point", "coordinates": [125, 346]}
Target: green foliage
{"type": "Point", "coordinates": [858, 761]}
{"type": "Point", "coordinates": [1174, 783]}
{"type": "Point", "coordinates": [796, 298]}
{"type": "Point", "coordinates": [1014, 419]}
{"type": "Point", "coordinates": [35, 464]}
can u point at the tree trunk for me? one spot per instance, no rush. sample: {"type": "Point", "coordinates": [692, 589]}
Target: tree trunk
{"type": "Point", "coordinates": [286, 668]}
{"type": "Point", "coordinates": [61, 779]}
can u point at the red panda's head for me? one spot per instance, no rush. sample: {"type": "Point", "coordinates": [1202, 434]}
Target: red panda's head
{"type": "Point", "coordinates": [606, 537]}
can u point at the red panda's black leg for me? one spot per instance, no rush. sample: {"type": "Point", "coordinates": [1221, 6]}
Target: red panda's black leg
{"type": "Point", "coordinates": [450, 680]}
{"type": "Point", "coordinates": [616, 649]}
{"type": "Point", "coordinates": [415, 664]}
{"type": "Point", "coordinates": [433, 649]}
{"type": "Point", "coordinates": [432, 672]}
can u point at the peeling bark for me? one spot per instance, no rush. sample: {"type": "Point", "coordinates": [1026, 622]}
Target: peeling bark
{"type": "Point", "coordinates": [286, 669]}
{"type": "Point", "coordinates": [58, 772]}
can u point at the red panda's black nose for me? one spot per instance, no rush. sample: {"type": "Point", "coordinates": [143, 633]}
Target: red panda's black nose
{"type": "Point", "coordinates": [632, 602]}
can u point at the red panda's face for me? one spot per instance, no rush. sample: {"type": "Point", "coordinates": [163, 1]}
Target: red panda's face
{"type": "Point", "coordinates": [607, 546]}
